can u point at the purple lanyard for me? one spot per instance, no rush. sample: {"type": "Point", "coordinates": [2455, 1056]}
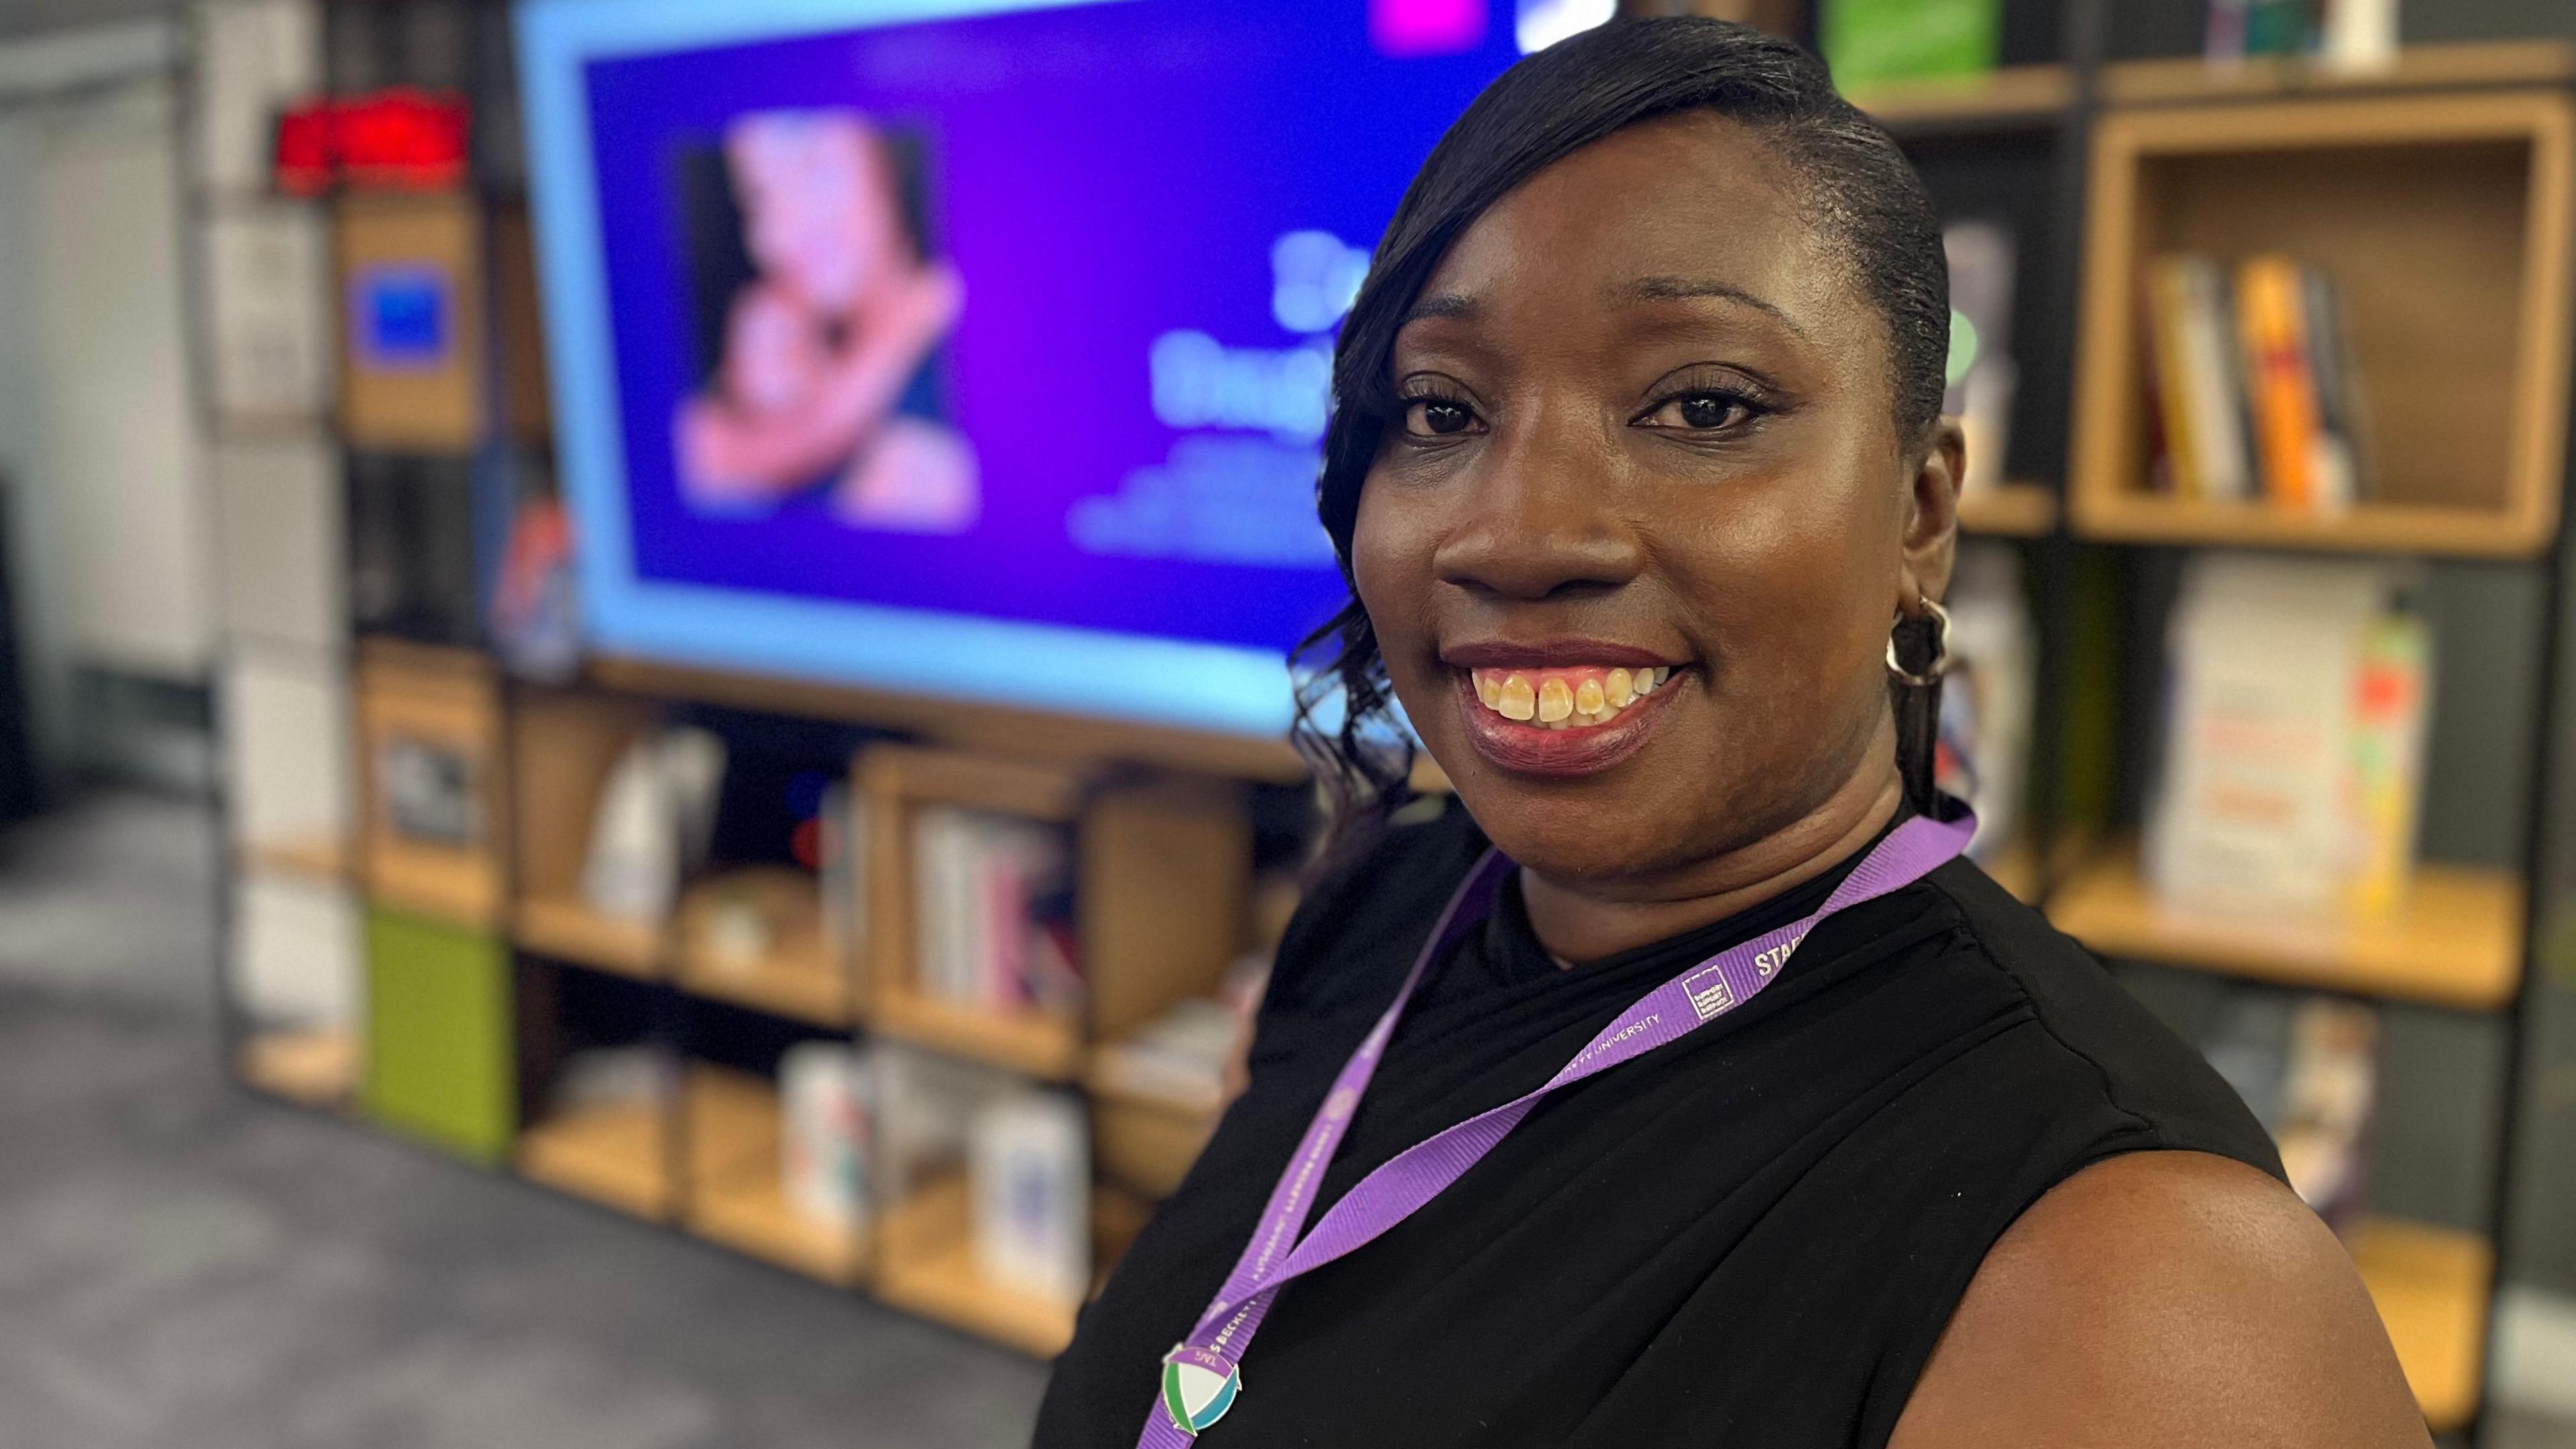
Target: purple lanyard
{"type": "Point", "coordinates": [1201, 1378]}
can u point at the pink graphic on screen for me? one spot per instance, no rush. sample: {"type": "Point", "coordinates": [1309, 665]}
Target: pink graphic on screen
{"type": "Point", "coordinates": [1404, 28]}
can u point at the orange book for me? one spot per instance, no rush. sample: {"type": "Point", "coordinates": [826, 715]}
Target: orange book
{"type": "Point", "coordinates": [2280, 384]}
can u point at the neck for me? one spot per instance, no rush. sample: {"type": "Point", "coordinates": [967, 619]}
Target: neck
{"type": "Point", "coordinates": [1583, 921]}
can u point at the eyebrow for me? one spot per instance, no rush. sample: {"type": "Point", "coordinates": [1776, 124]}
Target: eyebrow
{"type": "Point", "coordinates": [1453, 305]}
{"type": "Point", "coordinates": [1441, 304]}
{"type": "Point", "coordinates": [1675, 289]}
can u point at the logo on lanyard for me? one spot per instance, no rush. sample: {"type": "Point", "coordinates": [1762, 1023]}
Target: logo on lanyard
{"type": "Point", "coordinates": [1198, 1387]}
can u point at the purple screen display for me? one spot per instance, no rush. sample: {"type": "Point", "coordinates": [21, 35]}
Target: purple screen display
{"type": "Point", "coordinates": [1023, 315]}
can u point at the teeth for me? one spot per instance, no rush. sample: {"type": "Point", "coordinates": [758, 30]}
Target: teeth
{"type": "Point", "coordinates": [1560, 699]}
{"type": "Point", "coordinates": [1555, 701]}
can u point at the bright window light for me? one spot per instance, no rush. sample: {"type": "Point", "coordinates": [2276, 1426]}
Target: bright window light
{"type": "Point", "coordinates": [1543, 23]}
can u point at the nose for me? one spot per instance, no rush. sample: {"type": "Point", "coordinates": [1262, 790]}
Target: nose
{"type": "Point", "coordinates": [1537, 519]}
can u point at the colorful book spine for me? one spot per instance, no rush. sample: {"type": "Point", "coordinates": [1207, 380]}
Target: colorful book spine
{"type": "Point", "coordinates": [2280, 382]}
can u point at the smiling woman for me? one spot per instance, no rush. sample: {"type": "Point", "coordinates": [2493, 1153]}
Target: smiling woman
{"type": "Point", "coordinates": [1722, 1101]}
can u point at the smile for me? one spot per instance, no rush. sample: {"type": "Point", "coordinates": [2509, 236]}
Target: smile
{"type": "Point", "coordinates": [1565, 698]}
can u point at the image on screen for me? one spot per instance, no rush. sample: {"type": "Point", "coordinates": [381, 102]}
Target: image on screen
{"type": "Point", "coordinates": [889, 324]}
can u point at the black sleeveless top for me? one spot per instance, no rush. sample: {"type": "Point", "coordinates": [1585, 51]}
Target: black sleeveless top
{"type": "Point", "coordinates": [1750, 1237]}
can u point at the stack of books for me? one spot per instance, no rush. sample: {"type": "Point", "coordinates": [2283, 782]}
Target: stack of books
{"type": "Point", "coordinates": [995, 902]}
{"type": "Point", "coordinates": [2255, 392]}
{"type": "Point", "coordinates": [2293, 767]}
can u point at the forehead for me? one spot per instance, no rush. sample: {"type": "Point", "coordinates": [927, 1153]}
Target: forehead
{"type": "Point", "coordinates": [1694, 195]}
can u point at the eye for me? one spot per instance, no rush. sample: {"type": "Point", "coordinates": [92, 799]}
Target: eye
{"type": "Point", "coordinates": [1704, 411]}
{"type": "Point", "coordinates": [1438, 417]}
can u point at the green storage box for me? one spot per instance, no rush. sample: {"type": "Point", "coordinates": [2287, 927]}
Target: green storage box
{"type": "Point", "coordinates": [1870, 42]}
{"type": "Point", "coordinates": [439, 1035]}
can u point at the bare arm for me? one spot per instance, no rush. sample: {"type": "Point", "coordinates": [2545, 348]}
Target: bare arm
{"type": "Point", "coordinates": [2164, 1299]}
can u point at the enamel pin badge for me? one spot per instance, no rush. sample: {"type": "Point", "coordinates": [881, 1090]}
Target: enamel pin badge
{"type": "Point", "coordinates": [1198, 1387]}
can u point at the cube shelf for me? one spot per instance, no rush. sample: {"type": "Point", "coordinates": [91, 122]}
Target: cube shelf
{"type": "Point", "coordinates": [2444, 221]}
{"type": "Point", "coordinates": [796, 973]}
{"type": "Point", "coordinates": [737, 1196]}
{"type": "Point", "coordinates": [433, 800]}
{"type": "Point", "coordinates": [928, 1266]}
{"type": "Point", "coordinates": [316, 1066]}
{"type": "Point", "coordinates": [563, 744]}
{"type": "Point", "coordinates": [615, 1154]}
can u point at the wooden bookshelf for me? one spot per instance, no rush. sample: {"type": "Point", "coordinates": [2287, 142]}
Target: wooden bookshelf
{"type": "Point", "coordinates": [1076, 742]}
{"type": "Point", "coordinates": [321, 857]}
{"type": "Point", "coordinates": [2456, 941]}
{"type": "Point", "coordinates": [1146, 1143]}
{"type": "Point", "coordinates": [1032, 1044]}
{"type": "Point", "coordinates": [2443, 220]}
{"type": "Point", "coordinates": [2008, 510]}
{"type": "Point", "coordinates": [2461, 65]}
{"type": "Point", "coordinates": [795, 973]}
{"type": "Point", "coordinates": [929, 1267]}
{"type": "Point", "coordinates": [567, 929]}
{"type": "Point", "coordinates": [2431, 1286]}
{"type": "Point", "coordinates": [445, 701]}
{"type": "Point", "coordinates": [737, 1195]}
{"type": "Point", "coordinates": [616, 1154]}
{"type": "Point", "coordinates": [317, 1067]}
{"type": "Point", "coordinates": [564, 744]}
{"type": "Point", "coordinates": [2367, 528]}
{"type": "Point", "coordinates": [2007, 97]}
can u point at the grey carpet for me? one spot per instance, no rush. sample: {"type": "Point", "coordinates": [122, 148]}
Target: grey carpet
{"type": "Point", "coordinates": [183, 1265]}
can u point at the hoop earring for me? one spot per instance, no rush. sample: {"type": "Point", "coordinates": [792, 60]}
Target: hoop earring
{"type": "Point", "coordinates": [1940, 662]}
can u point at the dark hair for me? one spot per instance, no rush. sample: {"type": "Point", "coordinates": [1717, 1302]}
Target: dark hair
{"type": "Point", "coordinates": [1857, 186]}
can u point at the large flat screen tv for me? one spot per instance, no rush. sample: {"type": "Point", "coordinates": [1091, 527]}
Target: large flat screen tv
{"type": "Point", "coordinates": [972, 348]}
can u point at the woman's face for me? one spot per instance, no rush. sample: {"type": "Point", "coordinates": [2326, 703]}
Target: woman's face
{"type": "Point", "coordinates": [820, 217]}
{"type": "Point", "coordinates": [1633, 549]}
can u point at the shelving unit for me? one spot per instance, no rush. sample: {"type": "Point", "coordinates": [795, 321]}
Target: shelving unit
{"type": "Point", "coordinates": [736, 1196]}
{"type": "Point", "coordinates": [2431, 1287]}
{"type": "Point", "coordinates": [2437, 194]}
{"type": "Point", "coordinates": [929, 1267]}
{"type": "Point", "coordinates": [2457, 941]}
{"type": "Point", "coordinates": [792, 973]}
{"type": "Point", "coordinates": [615, 1154]}
{"type": "Point", "coordinates": [2009, 510]}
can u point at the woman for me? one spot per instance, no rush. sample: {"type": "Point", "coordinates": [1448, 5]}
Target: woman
{"type": "Point", "coordinates": [1637, 455]}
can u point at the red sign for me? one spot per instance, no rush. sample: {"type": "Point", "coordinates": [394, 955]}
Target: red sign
{"type": "Point", "coordinates": [402, 139]}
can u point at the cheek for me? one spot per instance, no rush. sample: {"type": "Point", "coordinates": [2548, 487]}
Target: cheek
{"type": "Point", "coordinates": [1390, 564]}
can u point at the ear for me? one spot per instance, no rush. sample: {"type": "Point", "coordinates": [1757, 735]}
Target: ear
{"type": "Point", "coordinates": [1931, 540]}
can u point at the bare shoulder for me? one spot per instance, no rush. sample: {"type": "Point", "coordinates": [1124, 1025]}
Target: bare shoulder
{"type": "Point", "coordinates": [2172, 1299]}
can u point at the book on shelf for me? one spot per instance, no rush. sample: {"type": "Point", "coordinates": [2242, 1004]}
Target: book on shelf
{"type": "Point", "coordinates": [995, 909]}
{"type": "Point", "coordinates": [654, 824]}
{"type": "Point", "coordinates": [1029, 1164]}
{"type": "Point", "coordinates": [2296, 702]}
{"type": "Point", "coordinates": [2255, 394]}
{"type": "Point", "coordinates": [827, 1112]}
{"type": "Point", "coordinates": [1186, 1057]}
{"type": "Point", "coordinates": [1981, 375]}
{"type": "Point", "coordinates": [1983, 753]}
{"type": "Point", "coordinates": [2308, 1068]}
